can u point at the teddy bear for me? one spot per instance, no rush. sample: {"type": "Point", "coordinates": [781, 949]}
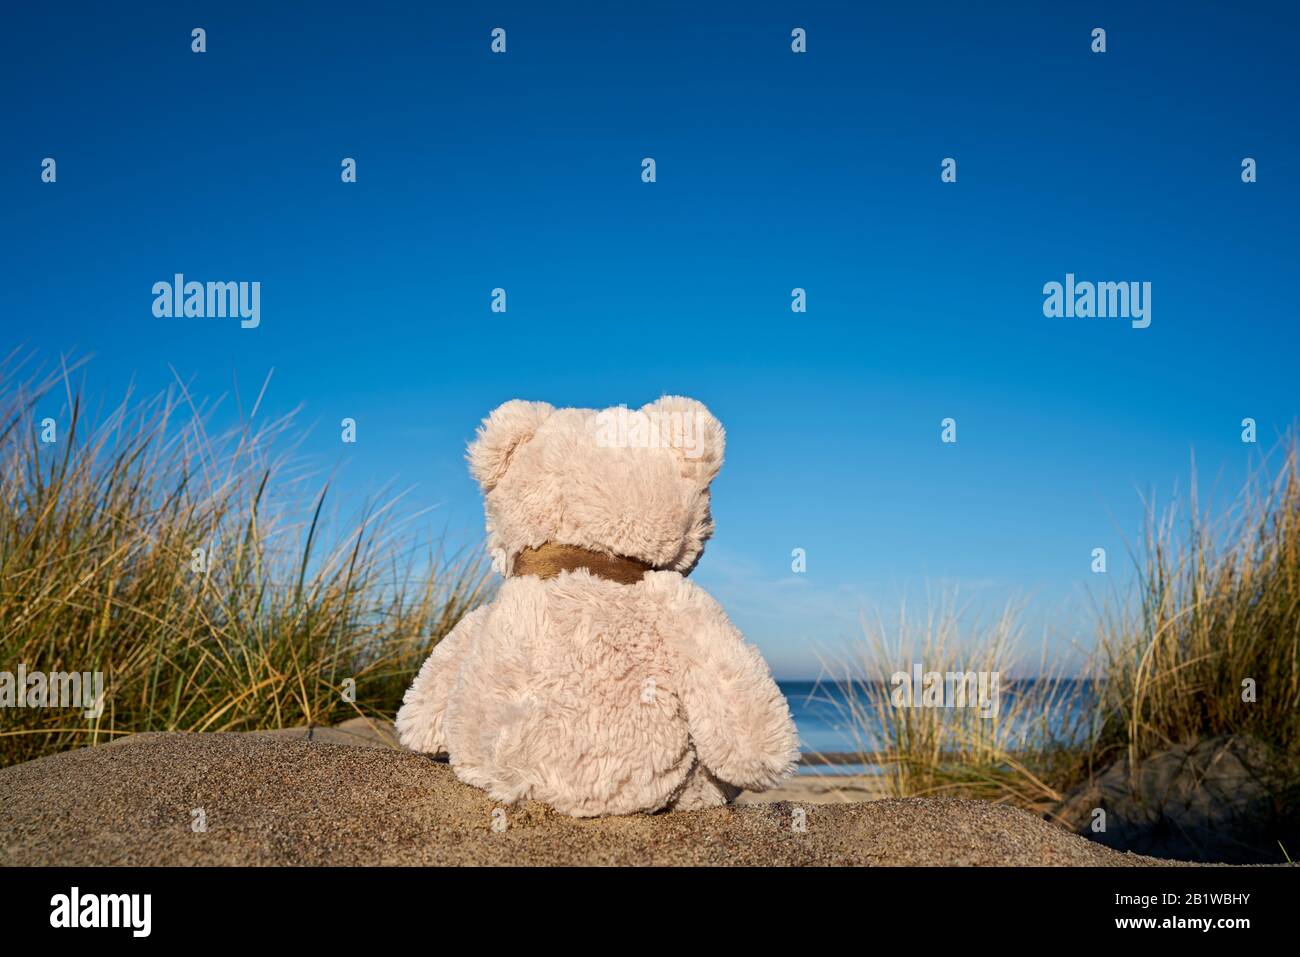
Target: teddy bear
{"type": "Point", "coordinates": [600, 679]}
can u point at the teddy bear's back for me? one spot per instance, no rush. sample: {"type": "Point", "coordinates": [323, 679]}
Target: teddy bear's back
{"type": "Point", "coordinates": [568, 693]}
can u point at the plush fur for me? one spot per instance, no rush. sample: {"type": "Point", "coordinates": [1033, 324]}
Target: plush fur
{"type": "Point", "coordinates": [593, 696]}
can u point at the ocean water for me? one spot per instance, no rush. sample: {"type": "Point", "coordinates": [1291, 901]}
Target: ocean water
{"type": "Point", "coordinates": [822, 714]}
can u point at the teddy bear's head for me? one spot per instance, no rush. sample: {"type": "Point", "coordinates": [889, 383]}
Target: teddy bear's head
{"type": "Point", "coordinates": [624, 482]}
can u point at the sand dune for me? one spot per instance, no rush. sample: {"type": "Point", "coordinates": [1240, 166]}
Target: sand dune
{"type": "Point", "coordinates": [289, 799]}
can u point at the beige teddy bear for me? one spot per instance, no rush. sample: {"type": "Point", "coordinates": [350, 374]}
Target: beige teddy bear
{"type": "Point", "coordinates": [600, 680]}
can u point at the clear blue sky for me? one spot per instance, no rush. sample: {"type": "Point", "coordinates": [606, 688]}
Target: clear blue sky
{"type": "Point", "coordinates": [775, 170]}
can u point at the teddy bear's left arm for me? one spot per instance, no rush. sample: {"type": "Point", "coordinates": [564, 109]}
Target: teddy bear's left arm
{"type": "Point", "coordinates": [739, 720]}
{"type": "Point", "coordinates": [420, 719]}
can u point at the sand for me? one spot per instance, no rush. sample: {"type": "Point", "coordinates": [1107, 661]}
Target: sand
{"type": "Point", "coordinates": [819, 789]}
{"type": "Point", "coordinates": [290, 798]}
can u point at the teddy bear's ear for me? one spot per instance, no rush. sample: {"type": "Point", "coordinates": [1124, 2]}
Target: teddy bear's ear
{"type": "Point", "coordinates": [502, 432]}
{"type": "Point", "coordinates": [696, 436]}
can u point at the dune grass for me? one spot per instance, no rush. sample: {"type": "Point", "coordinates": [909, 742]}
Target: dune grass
{"type": "Point", "coordinates": [281, 620]}
{"type": "Point", "coordinates": [1016, 754]}
{"type": "Point", "coordinates": [1215, 611]}
{"type": "Point", "coordinates": [1211, 643]}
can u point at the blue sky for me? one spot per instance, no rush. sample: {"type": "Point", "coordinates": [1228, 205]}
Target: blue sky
{"type": "Point", "coordinates": [774, 170]}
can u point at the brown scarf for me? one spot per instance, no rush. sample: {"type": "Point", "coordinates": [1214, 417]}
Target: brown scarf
{"type": "Point", "coordinates": [550, 559]}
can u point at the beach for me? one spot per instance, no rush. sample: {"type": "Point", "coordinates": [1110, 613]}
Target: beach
{"type": "Point", "coordinates": [343, 796]}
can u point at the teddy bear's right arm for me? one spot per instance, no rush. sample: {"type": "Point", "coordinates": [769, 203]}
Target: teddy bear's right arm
{"type": "Point", "coordinates": [739, 720]}
{"type": "Point", "coordinates": [420, 719]}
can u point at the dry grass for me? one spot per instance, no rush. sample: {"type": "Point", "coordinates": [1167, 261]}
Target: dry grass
{"type": "Point", "coordinates": [1214, 608]}
{"type": "Point", "coordinates": [98, 573]}
{"type": "Point", "coordinates": [1218, 607]}
{"type": "Point", "coordinates": [1013, 755]}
